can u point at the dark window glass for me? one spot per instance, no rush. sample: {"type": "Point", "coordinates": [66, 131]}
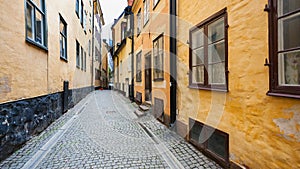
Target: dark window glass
{"type": "Point", "coordinates": [77, 55]}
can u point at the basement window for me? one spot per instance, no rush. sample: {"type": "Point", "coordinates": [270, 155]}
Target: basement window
{"type": "Point", "coordinates": [210, 141]}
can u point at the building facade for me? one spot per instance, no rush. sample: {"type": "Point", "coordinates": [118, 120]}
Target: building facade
{"type": "Point", "coordinates": [46, 64]}
{"type": "Point", "coordinates": [237, 76]}
{"type": "Point", "coordinates": [122, 55]}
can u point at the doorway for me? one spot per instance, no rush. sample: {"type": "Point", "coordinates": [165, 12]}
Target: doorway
{"type": "Point", "coordinates": [148, 77]}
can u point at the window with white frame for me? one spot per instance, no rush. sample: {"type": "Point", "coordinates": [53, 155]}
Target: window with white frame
{"type": "Point", "coordinates": [146, 12]}
{"type": "Point", "coordinates": [139, 22]}
{"type": "Point", "coordinates": [158, 58]}
{"type": "Point", "coordinates": [139, 67]}
{"type": "Point", "coordinates": [63, 38]}
{"type": "Point", "coordinates": [36, 22]}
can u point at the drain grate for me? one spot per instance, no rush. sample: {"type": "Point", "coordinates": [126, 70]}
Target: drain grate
{"type": "Point", "coordinates": [110, 112]}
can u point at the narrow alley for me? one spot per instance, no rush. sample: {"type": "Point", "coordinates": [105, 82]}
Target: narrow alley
{"type": "Point", "coordinates": [102, 131]}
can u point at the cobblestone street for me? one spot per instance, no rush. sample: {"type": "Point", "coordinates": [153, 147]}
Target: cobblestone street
{"type": "Point", "coordinates": [102, 131]}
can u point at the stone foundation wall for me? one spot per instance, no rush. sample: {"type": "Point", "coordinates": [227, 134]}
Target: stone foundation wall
{"type": "Point", "coordinates": [20, 120]}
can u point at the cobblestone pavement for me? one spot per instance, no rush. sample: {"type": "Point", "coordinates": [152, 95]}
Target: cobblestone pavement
{"type": "Point", "coordinates": [103, 132]}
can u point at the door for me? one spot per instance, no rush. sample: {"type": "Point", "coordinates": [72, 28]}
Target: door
{"type": "Point", "coordinates": [148, 77]}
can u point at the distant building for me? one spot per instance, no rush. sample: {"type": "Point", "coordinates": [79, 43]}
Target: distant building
{"type": "Point", "coordinates": [225, 75]}
{"type": "Point", "coordinates": [46, 64]}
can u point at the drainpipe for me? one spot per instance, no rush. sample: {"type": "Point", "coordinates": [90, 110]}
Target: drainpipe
{"type": "Point", "coordinates": [173, 61]}
{"type": "Point", "coordinates": [128, 11]}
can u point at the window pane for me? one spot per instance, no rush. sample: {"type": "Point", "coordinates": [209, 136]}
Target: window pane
{"type": "Point", "coordinates": [289, 68]}
{"type": "Point", "coordinates": [286, 6]}
{"type": "Point", "coordinates": [198, 74]}
{"type": "Point", "coordinates": [216, 52]}
{"type": "Point", "coordinates": [216, 73]}
{"type": "Point", "coordinates": [62, 46]}
{"type": "Point", "coordinates": [216, 31]}
{"type": "Point", "coordinates": [29, 21]}
{"type": "Point", "coordinates": [62, 28]}
{"type": "Point", "coordinates": [197, 39]}
{"type": "Point", "coordinates": [289, 32]}
{"type": "Point", "coordinates": [217, 144]}
{"type": "Point", "coordinates": [198, 56]}
{"type": "Point", "coordinates": [39, 27]}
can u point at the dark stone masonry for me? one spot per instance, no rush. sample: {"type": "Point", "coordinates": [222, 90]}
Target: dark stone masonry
{"type": "Point", "coordinates": [20, 120]}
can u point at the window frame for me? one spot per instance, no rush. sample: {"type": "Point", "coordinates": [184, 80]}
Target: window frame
{"type": "Point", "coordinates": [77, 54]}
{"type": "Point", "coordinates": [139, 67]}
{"type": "Point", "coordinates": [155, 3]}
{"type": "Point", "coordinates": [139, 22]}
{"type": "Point", "coordinates": [42, 10]}
{"type": "Point", "coordinates": [275, 89]}
{"type": "Point", "coordinates": [77, 8]}
{"type": "Point", "coordinates": [204, 24]}
{"type": "Point", "coordinates": [159, 55]}
{"type": "Point", "coordinates": [81, 58]}
{"type": "Point", "coordinates": [146, 12]}
{"type": "Point", "coordinates": [65, 37]}
{"type": "Point", "coordinates": [81, 10]}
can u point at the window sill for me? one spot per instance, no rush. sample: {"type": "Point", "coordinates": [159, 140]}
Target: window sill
{"type": "Point", "coordinates": [294, 96]}
{"type": "Point", "coordinates": [64, 59]}
{"type": "Point", "coordinates": [31, 42]}
{"type": "Point", "coordinates": [208, 89]}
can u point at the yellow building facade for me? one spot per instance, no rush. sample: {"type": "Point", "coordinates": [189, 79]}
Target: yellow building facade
{"type": "Point", "coordinates": [151, 56]}
{"type": "Point", "coordinates": [122, 55]}
{"type": "Point", "coordinates": [227, 84]}
{"type": "Point", "coordinates": [46, 60]}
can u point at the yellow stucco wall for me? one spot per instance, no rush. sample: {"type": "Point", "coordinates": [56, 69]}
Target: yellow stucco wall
{"type": "Point", "coordinates": [28, 71]}
{"type": "Point", "coordinates": [263, 130]}
{"type": "Point", "coordinates": [122, 60]}
{"type": "Point", "coordinates": [158, 24]}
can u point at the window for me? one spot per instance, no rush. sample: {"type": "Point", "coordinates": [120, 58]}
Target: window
{"type": "Point", "coordinates": [139, 22]}
{"type": "Point", "coordinates": [77, 55]}
{"type": "Point", "coordinates": [158, 58]}
{"type": "Point", "coordinates": [146, 11]}
{"type": "Point", "coordinates": [89, 47]}
{"type": "Point", "coordinates": [123, 30]}
{"type": "Point", "coordinates": [91, 23]}
{"type": "Point", "coordinates": [284, 25]}
{"type": "Point", "coordinates": [155, 2]}
{"type": "Point", "coordinates": [81, 13]}
{"type": "Point", "coordinates": [77, 6]}
{"type": "Point", "coordinates": [212, 141]}
{"type": "Point", "coordinates": [121, 70]}
{"type": "Point", "coordinates": [208, 54]}
{"type": "Point", "coordinates": [139, 67]}
{"type": "Point", "coordinates": [36, 22]}
{"type": "Point", "coordinates": [129, 62]}
{"type": "Point", "coordinates": [63, 38]}
{"type": "Point", "coordinates": [81, 60]}
{"type": "Point", "coordinates": [84, 20]}
{"type": "Point", "coordinates": [84, 65]}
